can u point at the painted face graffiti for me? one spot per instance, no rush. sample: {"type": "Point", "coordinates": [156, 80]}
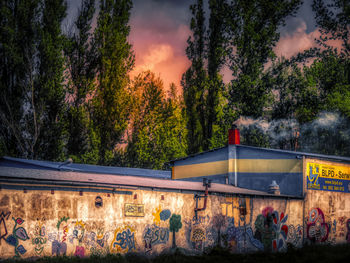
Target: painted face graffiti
{"type": "Point", "coordinates": [271, 230]}
{"type": "Point", "coordinates": [39, 239]}
{"type": "Point", "coordinates": [317, 229]}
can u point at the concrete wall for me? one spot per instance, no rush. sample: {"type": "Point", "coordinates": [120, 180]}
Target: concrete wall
{"type": "Point", "coordinates": [45, 223]}
{"type": "Point", "coordinates": [327, 212]}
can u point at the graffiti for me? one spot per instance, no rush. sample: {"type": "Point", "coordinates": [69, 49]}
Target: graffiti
{"type": "Point", "coordinates": [79, 251]}
{"type": "Point", "coordinates": [154, 235]}
{"type": "Point", "coordinates": [165, 215]}
{"type": "Point", "coordinates": [39, 239]}
{"type": "Point", "coordinates": [79, 233]}
{"type": "Point", "coordinates": [317, 229]}
{"type": "Point", "coordinates": [200, 220]}
{"type": "Point", "coordinates": [341, 228]}
{"type": "Point", "coordinates": [156, 216]}
{"type": "Point", "coordinates": [3, 229]}
{"type": "Point", "coordinates": [59, 245]}
{"type": "Point", "coordinates": [295, 235]}
{"type": "Point", "coordinates": [124, 240]}
{"type": "Point", "coordinates": [175, 226]}
{"type": "Point", "coordinates": [18, 233]}
{"type": "Point", "coordinates": [348, 229]}
{"type": "Point", "coordinates": [271, 230]}
{"type": "Point", "coordinates": [197, 238]}
{"type": "Point", "coordinates": [97, 242]}
{"type": "Point", "coordinates": [218, 223]}
{"type": "Point", "coordinates": [241, 238]}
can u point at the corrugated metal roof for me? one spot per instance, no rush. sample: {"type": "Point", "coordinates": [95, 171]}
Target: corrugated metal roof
{"type": "Point", "coordinates": [41, 176]}
{"type": "Point", "coordinates": [86, 168]}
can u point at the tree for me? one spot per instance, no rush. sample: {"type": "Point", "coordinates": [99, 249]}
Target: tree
{"type": "Point", "coordinates": [51, 91]}
{"type": "Point", "coordinates": [81, 55]}
{"type": "Point", "coordinates": [157, 124]}
{"type": "Point", "coordinates": [175, 226]}
{"type": "Point", "coordinates": [111, 103]}
{"type": "Point", "coordinates": [32, 79]}
{"type": "Point", "coordinates": [194, 82]}
{"type": "Point", "coordinates": [216, 130]}
{"type": "Point", "coordinates": [19, 127]}
{"type": "Point", "coordinates": [253, 32]}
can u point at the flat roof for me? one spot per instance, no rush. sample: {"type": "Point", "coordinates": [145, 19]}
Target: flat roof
{"type": "Point", "coordinates": [314, 155]}
{"type": "Point", "coordinates": [85, 168]}
{"type": "Point", "coordinates": [37, 176]}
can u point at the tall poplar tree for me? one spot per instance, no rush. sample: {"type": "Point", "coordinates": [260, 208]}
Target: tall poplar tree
{"type": "Point", "coordinates": [253, 31]}
{"type": "Point", "coordinates": [19, 127]}
{"type": "Point", "coordinates": [111, 103]}
{"type": "Point", "coordinates": [216, 50]}
{"type": "Point", "coordinates": [51, 91]}
{"type": "Point", "coordinates": [194, 82]}
{"type": "Point", "coordinates": [81, 55]}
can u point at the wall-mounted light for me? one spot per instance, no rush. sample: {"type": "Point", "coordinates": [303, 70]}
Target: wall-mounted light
{"type": "Point", "coordinates": [98, 201]}
{"type": "Point", "coordinates": [135, 196]}
{"type": "Point", "coordinates": [162, 197]}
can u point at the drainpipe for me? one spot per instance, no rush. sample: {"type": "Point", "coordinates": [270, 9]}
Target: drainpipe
{"type": "Point", "coordinates": [207, 184]}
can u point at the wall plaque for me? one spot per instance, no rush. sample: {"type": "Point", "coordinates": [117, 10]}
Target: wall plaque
{"type": "Point", "coordinates": [137, 210]}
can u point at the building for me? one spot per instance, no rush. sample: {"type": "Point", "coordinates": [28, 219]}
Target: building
{"type": "Point", "coordinates": [258, 199]}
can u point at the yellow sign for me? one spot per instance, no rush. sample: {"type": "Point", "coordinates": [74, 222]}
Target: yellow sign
{"type": "Point", "coordinates": [134, 210]}
{"type": "Point", "coordinates": [328, 177]}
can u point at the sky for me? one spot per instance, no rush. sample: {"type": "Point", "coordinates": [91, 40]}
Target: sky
{"type": "Point", "coordinates": [160, 29]}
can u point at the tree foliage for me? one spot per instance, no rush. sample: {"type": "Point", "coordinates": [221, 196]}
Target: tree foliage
{"type": "Point", "coordinates": [253, 32]}
{"type": "Point", "coordinates": [81, 59]}
{"type": "Point", "coordinates": [158, 132]}
{"type": "Point", "coordinates": [115, 59]}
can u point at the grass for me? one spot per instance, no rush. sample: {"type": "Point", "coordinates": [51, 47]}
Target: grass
{"type": "Point", "coordinates": [308, 254]}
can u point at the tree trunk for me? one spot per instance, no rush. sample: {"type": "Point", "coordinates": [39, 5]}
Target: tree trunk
{"type": "Point", "coordinates": [174, 243]}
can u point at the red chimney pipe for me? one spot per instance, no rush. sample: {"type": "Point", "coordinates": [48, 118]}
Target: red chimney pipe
{"type": "Point", "coordinates": [233, 136]}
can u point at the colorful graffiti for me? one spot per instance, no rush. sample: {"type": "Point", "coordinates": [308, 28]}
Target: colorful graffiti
{"type": "Point", "coordinates": [175, 226]}
{"type": "Point", "coordinates": [59, 245]}
{"type": "Point", "coordinates": [240, 239]}
{"type": "Point", "coordinates": [3, 230]}
{"type": "Point", "coordinates": [97, 242]}
{"type": "Point", "coordinates": [18, 233]}
{"type": "Point", "coordinates": [124, 240]}
{"type": "Point", "coordinates": [156, 215]}
{"type": "Point", "coordinates": [271, 229]}
{"type": "Point", "coordinates": [39, 239]}
{"type": "Point", "coordinates": [295, 235]}
{"type": "Point", "coordinates": [317, 229]}
{"type": "Point", "coordinates": [165, 214]}
{"type": "Point", "coordinates": [198, 238]}
{"type": "Point", "coordinates": [154, 235]}
{"type": "Point", "coordinates": [79, 234]}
